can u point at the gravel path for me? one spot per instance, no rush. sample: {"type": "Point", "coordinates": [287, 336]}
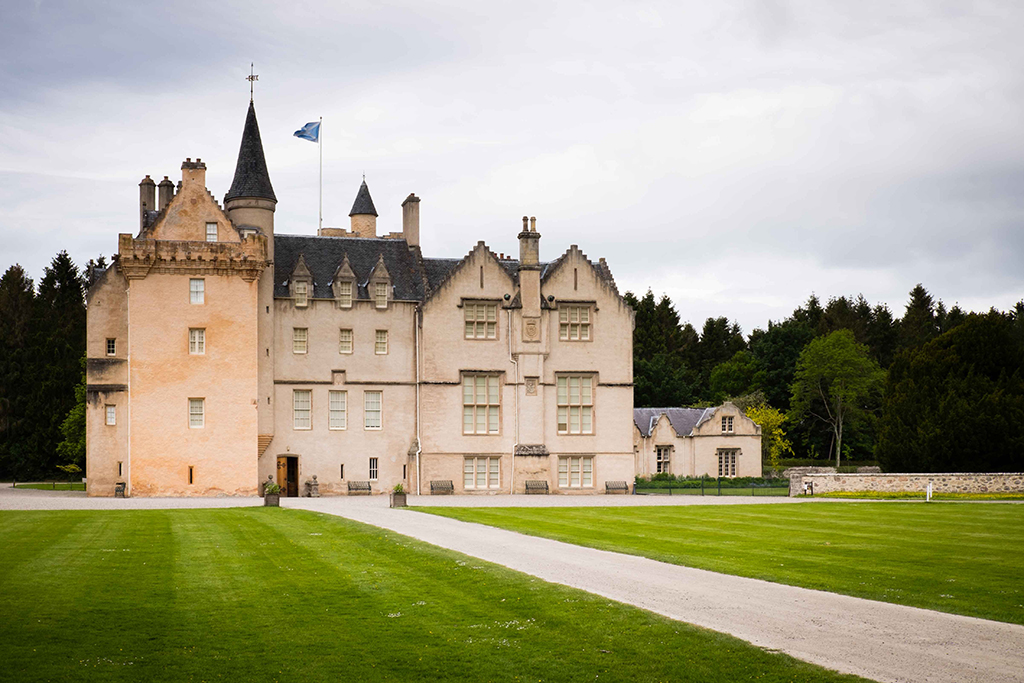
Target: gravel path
{"type": "Point", "coordinates": [876, 640]}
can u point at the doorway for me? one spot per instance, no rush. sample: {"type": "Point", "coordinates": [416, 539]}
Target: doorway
{"type": "Point", "coordinates": [288, 475]}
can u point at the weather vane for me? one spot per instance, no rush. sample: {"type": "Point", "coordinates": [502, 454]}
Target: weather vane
{"type": "Point", "coordinates": [252, 77]}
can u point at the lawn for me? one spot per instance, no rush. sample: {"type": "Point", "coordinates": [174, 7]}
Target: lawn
{"type": "Point", "coordinates": [952, 557]}
{"type": "Point", "coordinates": [264, 594]}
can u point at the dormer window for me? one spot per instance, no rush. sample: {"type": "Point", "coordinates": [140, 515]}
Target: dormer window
{"type": "Point", "coordinates": [301, 293]}
{"type": "Point", "coordinates": [344, 294]}
{"type": "Point", "coordinates": [380, 294]}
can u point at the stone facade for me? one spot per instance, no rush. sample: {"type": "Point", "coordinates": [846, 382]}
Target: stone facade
{"type": "Point", "coordinates": [694, 442]}
{"type": "Point", "coordinates": [999, 482]}
{"type": "Point", "coordinates": [346, 356]}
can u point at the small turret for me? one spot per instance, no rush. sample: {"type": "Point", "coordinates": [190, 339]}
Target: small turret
{"type": "Point", "coordinates": [251, 200]}
{"type": "Point", "coordinates": [166, 188]}
{"type": "Point", "coordinates": [363, 213]}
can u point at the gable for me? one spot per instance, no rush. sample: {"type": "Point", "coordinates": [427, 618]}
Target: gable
{"type": "Point", "coordinates": [479, 274]}
{"type": "Point", "coordinates": [186, 215]}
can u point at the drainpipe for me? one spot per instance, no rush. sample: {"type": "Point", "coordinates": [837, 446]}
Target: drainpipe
{"type": "Point", "coordinates": [128, 306]}
{"type": "Point", "coordinates": [419, 445]}
{"type": "Point", "coordinates": [512, 359]}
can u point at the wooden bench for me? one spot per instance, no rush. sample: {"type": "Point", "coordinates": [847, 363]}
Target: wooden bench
{"type": "Point", "coordinates": [119, 488]}
{"type": "Point", "coordinates": [359, 488]}
{"type": "Point", "coordinates": [616, 487]}
{"type": "Point", "coordinates": [536, 486]}
{"type": "Point", "coordinates": [442, 487]}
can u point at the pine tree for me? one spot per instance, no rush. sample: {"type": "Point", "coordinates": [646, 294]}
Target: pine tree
{"type": "Point", "coordinates": [18, 365]}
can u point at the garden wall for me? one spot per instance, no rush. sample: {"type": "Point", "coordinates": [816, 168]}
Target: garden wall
{"type": "Point", "coordinates": [995, 482]}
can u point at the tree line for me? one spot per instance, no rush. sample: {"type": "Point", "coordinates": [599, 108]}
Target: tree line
{"type": "Point", "coordinates": [937, 389]}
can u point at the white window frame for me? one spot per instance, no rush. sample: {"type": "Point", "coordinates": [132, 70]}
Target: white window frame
{"type": "Point", "coordinates": [211, 232]}
{"type": "Point", "coordinates": [576, 472]}
{"type": "Point", "coordinates": [727, 424]}
{"type": "Point", "coordinates": [663, 459]}
{"type": "Point", "coordinates": [727, 461]}
{"type": "Point", "coordinates": [346, 341]}
{"type": "Point", "coordinates": [337, 410]}
{"type": "Point", "coordinates": [374, 468]}
{"type": "Point", "coordinates": [196, 413]}
{"type": "Point", "coordinates": [345, 290]}
{"type": "Point", "coordinates": [380, 294]}
{"type": "Point", "coordinates": [574, 323]}
{"type": "Point", "coordinates": [300, 340]}
{"type": "Point", "coordinates": [300, 292]}
{"type": "Point", "coordinates": [369, 411]}
{"type": "Point", "coordinates": [197, 341]}
{"type": "Point", "coordinates": [197, 290]}
{"type": "Point", "coordinates": [111, 415]}
{"type": "Point", "coordinates": [302, 409]}
{"type": "Point", "coordinates": [380, 343]}
{"type": "Point", "coordinates": [481, 472]}
{"type": "Point", "coordinates": [111, 346]}
{"type": "Point", "coordinates": [481, 320]}
{"type": "Point", "coordinates": [575, 410]}
{"type": "Point", "coordinates": [481, 404]}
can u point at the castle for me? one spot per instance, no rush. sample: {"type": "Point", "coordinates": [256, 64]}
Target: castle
{"type": "Point", "coordinates": [222, 355]}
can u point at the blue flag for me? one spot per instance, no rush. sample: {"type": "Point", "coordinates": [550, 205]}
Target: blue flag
{"type": "Point", "coordinates": [310, 131]}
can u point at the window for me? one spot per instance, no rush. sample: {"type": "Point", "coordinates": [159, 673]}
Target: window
{"type": "Point", "coordinates": [111, 415]}
{"type": "Point", "coordinates": [120, 468]}
{"type": "Point", "coordinates": [574, 323]}
{"type": "Point", "coordinates": [481, 473]}
{"type": "Point", "coordinates": [345, 294]}
{"type": "Point", "coordinates": [196, 413]}
{"type": "Point", "coordinates": [380, 346]}
{"type": "Point", "coordinates": [197, 340]}
{"type": "Point", "coordinates": [664, 459]}
{"type": "Point", "coordinates": [300, 337]}
{"type": "Point", "coordinates": [481, 321]}
{"type": "Point", "coordinates": [371, 410]}
{"type": "Point", "coordinates": [575, 404]}
{"type": "Point", "coordinates": [380, 294]}
{"type": "Point", "coordinates": [342, 470]}
{"type": "Point", "coordinates": [191, 474]}
{"type": "Point", "coordinates": [575, 472]}
{"type": "Point", "coordinates": [111, 347]}
{"type": "Point", "coordinates": [727, 462]}
{"type": "Point", "coordinates": [197, 290]}
{"type": "Point", "coordinates": [302, 405]}
{"type": "Point", "coordinates": [338, 405]}
{"type": "Point", "coordinates": [211, 232]}
{"type": "Point", "coordinates": [373, 469]}
{"type": "Point", "coordinates": [345, 341]}
{"type": "Point", "coordinates": [727, 424]}
{"type": "Point", "coordinates": [301, 291]}
{"type": "Point", "coordinates": [480, 403]}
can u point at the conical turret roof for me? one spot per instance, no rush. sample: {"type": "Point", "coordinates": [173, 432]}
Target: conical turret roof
{"type": "Point", "coordinates": [363, 205]}
{"type": "Point", "coordinates": [251, 176]}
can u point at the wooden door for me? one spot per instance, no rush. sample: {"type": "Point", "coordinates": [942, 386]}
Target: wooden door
{"type": "Point", "coordinates": [282, 474]}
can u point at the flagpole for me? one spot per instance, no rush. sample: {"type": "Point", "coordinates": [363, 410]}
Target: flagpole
{"type": "Point", "coordinates": [320, 144]}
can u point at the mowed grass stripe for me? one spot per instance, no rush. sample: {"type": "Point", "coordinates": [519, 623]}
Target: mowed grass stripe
{"type": "Point", "coordinates": [285, 595]}
{"type": "Point", "coordinates": [952, 557]}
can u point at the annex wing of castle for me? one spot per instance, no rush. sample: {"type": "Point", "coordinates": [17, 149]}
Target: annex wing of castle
{"type": "Point", "coordinates": [222, 355]}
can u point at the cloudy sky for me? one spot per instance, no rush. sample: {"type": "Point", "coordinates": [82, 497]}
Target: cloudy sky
{"type": "Point", "coordinates": [737, 156]}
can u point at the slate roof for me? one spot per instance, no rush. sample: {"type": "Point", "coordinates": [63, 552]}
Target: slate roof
{"type": "Point", "coordinates": [683, 420]}
{"type": "Point", "coordinates": [323, 256]}
{"type": "Point", "coordinates": [364, 203]}
{"type": "Point", "coordinates": [251, 176]}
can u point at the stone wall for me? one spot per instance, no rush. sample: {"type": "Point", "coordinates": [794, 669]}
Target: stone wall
{"type": "Point", "coordinates": [995, 482]}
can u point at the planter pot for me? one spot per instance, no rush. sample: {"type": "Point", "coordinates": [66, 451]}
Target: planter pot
{"type": "Point", "coordinates": [272, 500]}
{"type": "Point", "coordinates": [398, 500]}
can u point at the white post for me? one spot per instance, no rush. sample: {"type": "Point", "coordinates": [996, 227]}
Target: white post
{"type": "Point", "coordinates": [928, 494]}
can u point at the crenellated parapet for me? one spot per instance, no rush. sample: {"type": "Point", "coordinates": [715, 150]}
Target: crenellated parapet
{"type": "Point", "coordinates": [137, 258]}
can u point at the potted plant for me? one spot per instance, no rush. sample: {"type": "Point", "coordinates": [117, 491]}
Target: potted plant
{"type": "Point", "coordinates": [398, 498]}
{"type": "Point", "coordinates": [271, 495]}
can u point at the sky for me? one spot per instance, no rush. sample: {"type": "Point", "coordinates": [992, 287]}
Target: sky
{"type": "Point", "coordinates": [736, 156]}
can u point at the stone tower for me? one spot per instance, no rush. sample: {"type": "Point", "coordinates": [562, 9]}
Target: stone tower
{"type": "Point", "coordinates": [363, 214]}
{"type": "Point", "coordinates": [250, 204]}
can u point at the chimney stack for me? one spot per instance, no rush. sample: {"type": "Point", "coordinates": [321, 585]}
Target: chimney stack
{"type": "Point", "coordinates": [166, 188]}
{"type": "Point", "coordinates": [529, 243]}
{"type": "Point", "coordinates": [529, 269]}
{"type": "Point", "coordinates": [193, 171]}
{"type": "Point", "coordinates": [411, 220]}
{"type": "Point", "coordinates": [147, 199]}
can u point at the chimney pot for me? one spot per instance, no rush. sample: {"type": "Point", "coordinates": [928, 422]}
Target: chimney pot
{"type": "Point", "coordinates": [533, 224]}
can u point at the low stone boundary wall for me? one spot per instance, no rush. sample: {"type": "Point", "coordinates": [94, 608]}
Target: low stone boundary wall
{"type": "Point", "coordinates": [956, 482]}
